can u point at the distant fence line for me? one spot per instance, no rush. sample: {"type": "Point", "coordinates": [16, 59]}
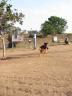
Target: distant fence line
{"type": "Point", "coordinates": [28, 42]}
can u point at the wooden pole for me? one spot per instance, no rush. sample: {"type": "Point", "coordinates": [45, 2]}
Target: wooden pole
{"type": "Point", "coordinates": [3, 45]}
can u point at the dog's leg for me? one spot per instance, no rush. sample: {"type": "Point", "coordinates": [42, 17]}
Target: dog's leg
{"type": "Point", "coordinates": [40, 50]}
{"type": "Point", "coordinates": [44, 51]}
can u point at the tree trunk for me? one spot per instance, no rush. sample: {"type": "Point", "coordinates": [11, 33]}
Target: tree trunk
{"type": "Point", "coordinates": [3, 46]}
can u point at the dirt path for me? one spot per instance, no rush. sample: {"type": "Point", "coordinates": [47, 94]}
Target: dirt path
{"type": "Point", "coordinates": [27, 73]}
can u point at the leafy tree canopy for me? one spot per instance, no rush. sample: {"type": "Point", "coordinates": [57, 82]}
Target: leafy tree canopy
{"type": "Point", "coordinates": [8, 17]}
{"type": "Point", "coordinates": [54, 25]}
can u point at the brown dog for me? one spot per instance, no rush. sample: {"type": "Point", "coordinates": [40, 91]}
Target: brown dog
{"type": "Point", "coordinates": [43, 48]}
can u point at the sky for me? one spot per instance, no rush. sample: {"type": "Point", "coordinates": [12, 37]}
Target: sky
{"type": "Point", "coordinates": [38, 11]}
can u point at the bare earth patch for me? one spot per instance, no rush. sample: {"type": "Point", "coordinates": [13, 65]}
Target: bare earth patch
{"type": "Point", "coordinates": [27, 73]}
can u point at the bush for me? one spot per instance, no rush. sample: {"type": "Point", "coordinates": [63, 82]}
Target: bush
{"type": "Point", "coordinates": [40, 35]}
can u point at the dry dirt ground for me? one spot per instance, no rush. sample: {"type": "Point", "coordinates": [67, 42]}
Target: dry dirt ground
{"type": "Point", "coordinates": [27, 73]}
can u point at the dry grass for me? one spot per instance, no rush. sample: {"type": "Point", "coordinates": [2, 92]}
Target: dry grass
{"type": "Point", "coordinates": [27, 73]}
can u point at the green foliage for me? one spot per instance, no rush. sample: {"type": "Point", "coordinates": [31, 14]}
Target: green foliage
{"type": "Point", "coordinates": [31, 33]}
{"type": "Point", "coordinates": [39, 35]}
{"type": "Point", "coordinates": [7, 16]}
{"type": "Point", "coordinates": [54, 25]}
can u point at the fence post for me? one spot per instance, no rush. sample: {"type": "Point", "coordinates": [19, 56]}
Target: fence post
{"type": "Point", "coordinates": [34, 41]}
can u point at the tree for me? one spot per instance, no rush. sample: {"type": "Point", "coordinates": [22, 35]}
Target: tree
{"type": "Point", "coordinates": [54, 25]}
{"type": "Point", "coordinates": [7, 18]}
{"type": "Point", "coordinates": [31, 33]}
